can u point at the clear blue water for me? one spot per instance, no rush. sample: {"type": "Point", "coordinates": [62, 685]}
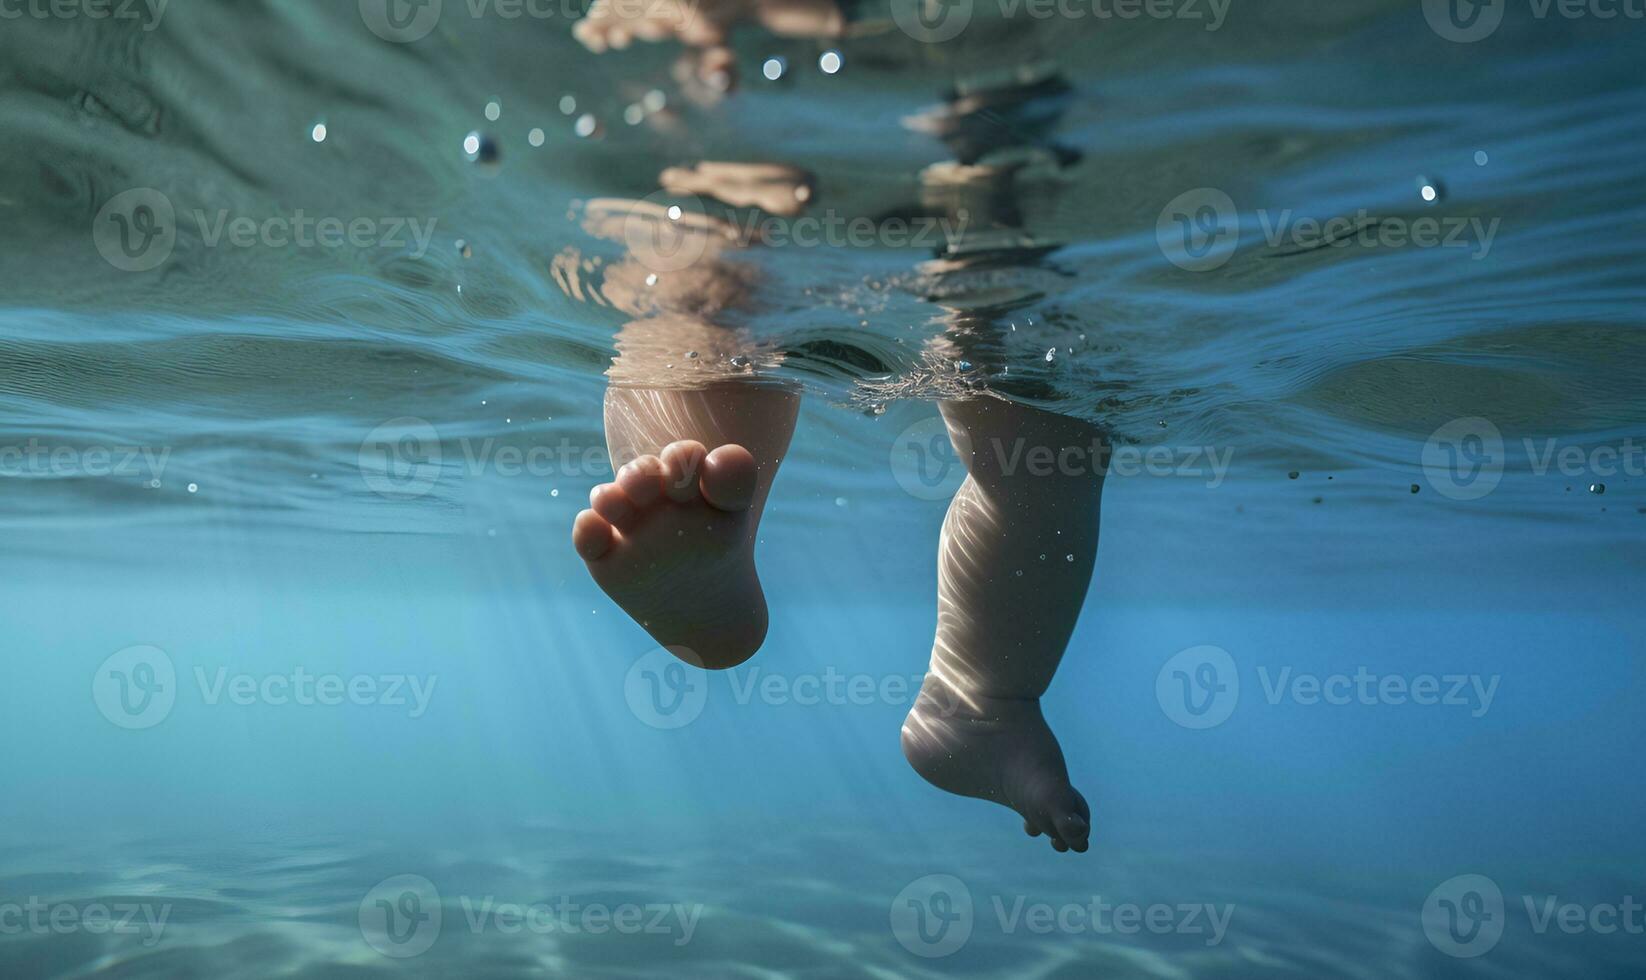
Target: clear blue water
{"type": "Point", "coordinates": [503, 745]}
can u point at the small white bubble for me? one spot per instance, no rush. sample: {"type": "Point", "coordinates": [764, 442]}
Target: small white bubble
{"type": "Point", "coordinates": [1051, 355]}
{"type": "Point", "coordinates": [774, 68]}
{"type": "Point", "coordinates": [318, 134]}
{"type": "Point", "coordinates": [154, 484]}
{"type": "Point", "coordinates": [194, 488]}
{"type": "Point", "coordinates": [535, 137]}
{"type": "Point", "coordinates": [830, 62]}
{"type": "Point", "coordinates": [655, 100]}
{"type": "Point", "coordinates": [1429, 192]}
{"type": "Point", "coordinates": [634, 115]}
{"type": "Point", "coordinates": [840, 501]}
{"type": "Point", "coordinates": [555, 492]}
{"type": "Point", "coordinates": [568, 105]}
{"type": "Point", "coordinates": [493, 110]}
{"type": "Point", "coordinates": [674, 212]}
{"type": "Point", "coordinates": [471, 144]}
{"type": "Point", "coordinates": [586, 126]}
{"type": "Point", "coordinates": [1068, 557]}
{"type": "Point", "coordinates": [651, 279]}
{"type": "Point", "coordinates": [1481, 158]}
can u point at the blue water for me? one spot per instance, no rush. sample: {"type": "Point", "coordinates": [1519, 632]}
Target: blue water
{"type": "Point", "coordinates": [495, 730]}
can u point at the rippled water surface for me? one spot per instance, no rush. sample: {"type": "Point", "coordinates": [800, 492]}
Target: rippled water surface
{"type": "Point", "coordinates": [1359, 303]}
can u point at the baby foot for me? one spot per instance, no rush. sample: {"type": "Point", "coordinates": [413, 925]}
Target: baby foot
{"type": "Point", "coordinates": [672, 542]}
{"type": "Point", "coordinates": [614, 23]}
{"type": "Point", "coordinates": [703, 23]}
{"type": "Point", "coordinates": [772, 187]}
{"type": "Point", "coordinates": [1000, 750]}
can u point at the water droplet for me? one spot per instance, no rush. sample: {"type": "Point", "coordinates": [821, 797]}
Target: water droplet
{"type": "Point", "coordinates": [568, 105]}
{"type": "Point", "coordinates": [480, 148]}
{"type": "Point", "coordinates": [318, 133]}
{"type": "Point", "coordinates": [675, 212]}
{"type": "Point", "coordinates": [1020, 573]}
{"type": "Point", "coordinates": [963, 365]}
{"type": "Point", "coordinates": [1597, 488]}
{"type": "Point", "coordinates": [1042, 557]}
{"type": "Point", "coordinates": [741, 361]}
{"type": "Point", "coordinates": [1068, 557]}
{"type": "Point", "coordinates": [1051, 355]}
{"type": "Point", "coordinates": [655, 100]}
{"type": "Point", "coordinates": [535, 137]}
{"type": "Point", "coordinates": [634, 115]}
{"type": "Point", "coordinates": [555, 492]}
{"type": "Point", "coordinates": [1431, 190]}
{"type": "Point", "coordinates": [1416, 488]}
{"type": "Point", "coordinates": [154, 484]}
{"type": "Point", "coordinates": [651, 279]}
{"type": "Point", "coordinates": [1481, 158]}
{"type": "Point", "coordinates": [691, 355]}
{"type": "Point", "coordinates": [194, 488]}
{"type": "Point", "coordinates": [1293, 475]}
{"type": "Point", "coordinates": [830, 62]}
{"type": "Point", "coordinates": [587, 127]}
{"type": "Point", "coordinates": [494, 109]}
{"type": "Point", "coordinates": [774, 68]}
{"type": "Point", "coordinates": [840, 501]}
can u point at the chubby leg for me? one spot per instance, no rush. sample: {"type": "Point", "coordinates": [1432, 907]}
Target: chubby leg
{"type": "Point", "coordinates": [672, 538]}
{"type": "Point", "coordinates": [1014, 565]}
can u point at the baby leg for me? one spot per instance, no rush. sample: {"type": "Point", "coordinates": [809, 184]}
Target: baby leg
{"type": "Point", "coordinates": [1015, 561]}
{"type": "Point", "coordinates": [671, 539]}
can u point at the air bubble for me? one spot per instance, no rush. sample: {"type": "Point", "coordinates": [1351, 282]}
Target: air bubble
{"type": "Point", "coordinates": [494, 110]}
{"type": "Point", "coordinates": [1597, 488]}
{"type": "Point", "coordinates": [830, 62]}
{"type": "Point", "coordinates": [587, 127]}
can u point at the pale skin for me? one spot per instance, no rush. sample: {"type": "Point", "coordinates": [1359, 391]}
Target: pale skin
{"type": "Point", "coordinates": [672, 538]}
